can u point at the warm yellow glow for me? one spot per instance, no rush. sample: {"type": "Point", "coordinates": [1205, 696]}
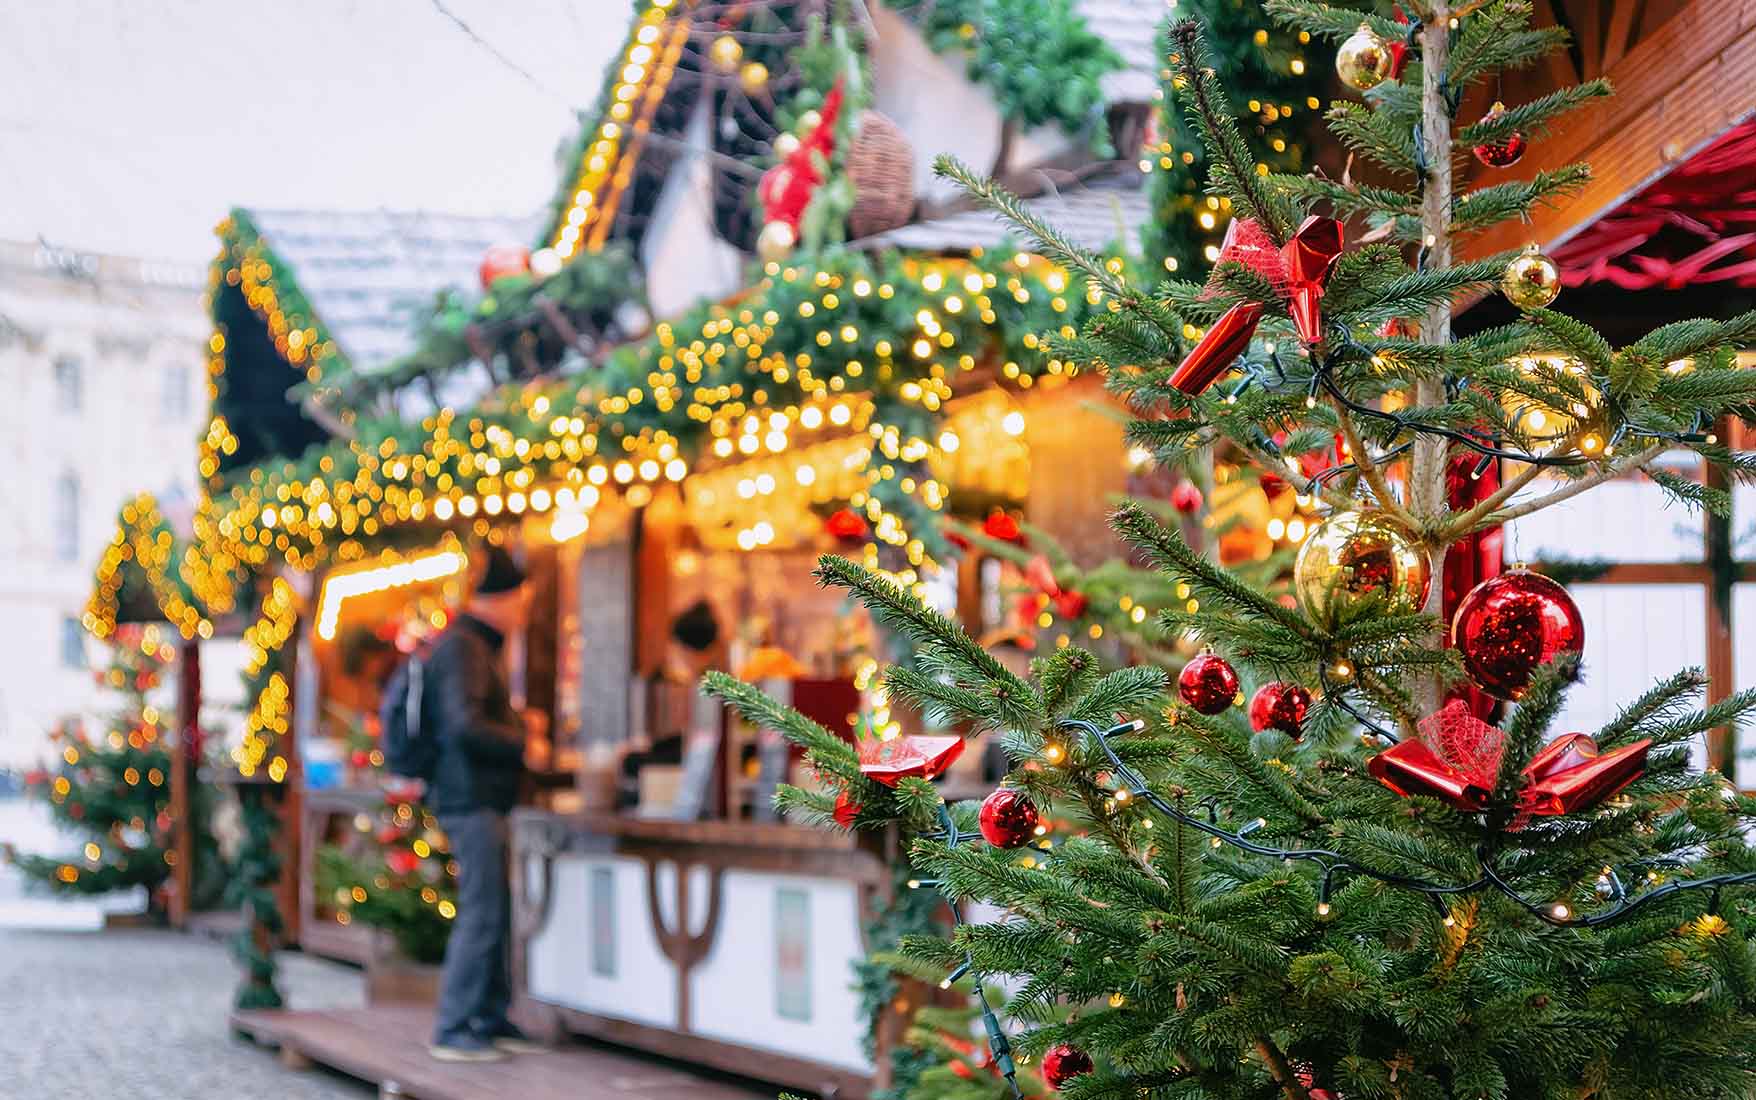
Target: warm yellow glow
{"type": "Point", "coordinates": [338, 588]}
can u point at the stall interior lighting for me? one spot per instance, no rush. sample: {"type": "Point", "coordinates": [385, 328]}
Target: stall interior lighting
{"type": "Point", "coordinates": [338, 588]}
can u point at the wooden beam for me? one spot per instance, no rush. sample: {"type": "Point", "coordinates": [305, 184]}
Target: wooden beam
{"type": "Point", "coordinates": [1624, 18]}
{"type": "Point", "coordinates": [1676, 90]}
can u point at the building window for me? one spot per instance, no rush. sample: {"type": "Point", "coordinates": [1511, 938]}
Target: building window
{"type": "Point", "coordinates": [72, 642]}
{"type": "Point", "coordinates": [69, 386]}
{"type": "Point", "coordinates": [174, 397]}
{"type": "Point", "coordinates": [67, 517]}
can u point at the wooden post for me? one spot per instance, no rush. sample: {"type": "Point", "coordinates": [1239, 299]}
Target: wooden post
{"type": "Point", "coordinates": [1722, 572]}
{"type": "Point", "coordinates": [185, 758]}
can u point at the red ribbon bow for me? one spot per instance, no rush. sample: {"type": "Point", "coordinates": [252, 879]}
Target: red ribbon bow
{"type": "Point", "coordinates": [1310, 256]}
{"type": "Point", "coordinates": [1301, 269]}
{"type": "Point", "coordinates": [1567, 775]}
{"type": "Point", "coordinates": [889, 762]}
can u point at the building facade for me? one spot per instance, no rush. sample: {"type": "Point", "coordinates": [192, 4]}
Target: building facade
{"type": "Point", "coordinates": [101, 362]}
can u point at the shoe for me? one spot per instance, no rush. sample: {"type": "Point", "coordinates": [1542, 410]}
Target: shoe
{"type": "Point", "coordinates": [467, 1048]}
{"type": "Point", "coordinates": [513, 1040]}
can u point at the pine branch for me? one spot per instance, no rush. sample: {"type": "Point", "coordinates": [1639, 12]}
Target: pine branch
{"type": "Point", "coordinates": [1348, 200]}
{"type": "Point", "coordinates": [1375, 137]}
{"type": "Point", "coordinates": [1491, 205]}
{"type": "Point", "coordinates": [1211, 584]}
{"type": "Point", "coordinates": [1050, 241]}
{"type": "Point", "coordinates": [1014, 703]}
{"type": "Point", "coordinates": [1232, 170]}
{"type": "Point", "coordinates": [1499, 37]}
{"type": "Point", "coordinates": [1531, 117]}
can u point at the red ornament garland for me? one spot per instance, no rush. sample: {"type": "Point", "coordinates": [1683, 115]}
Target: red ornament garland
{"type": "Point", "coordinates": [1501, 152]}
{"type": "Point", "coordinates": [1000, 525]}
{"type": "Point", "coordinates": [1280, 706]}
{"type": "Point", "coordinates": [1208, 683]}
{"type": "Point", "coordinates": [847, 526]}
{"type": "Point", "coordinates": [501, 261]}
{"type": "Point", "coordinates": [1063, 1062]}
{"type": "Point", "coordinates": [1508, 626]}
{"type": "Point", "coordinates": [1186, 498]}
{"type": "Point", "coordinates": [1008, 818]}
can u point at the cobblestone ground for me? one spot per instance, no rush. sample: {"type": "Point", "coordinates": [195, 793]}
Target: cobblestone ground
{"type": "Point", "coordinates": [142, 1015]}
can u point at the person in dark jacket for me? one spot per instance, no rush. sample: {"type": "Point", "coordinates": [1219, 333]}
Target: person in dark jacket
{"type": "Point", "coordinates": [475, 784]}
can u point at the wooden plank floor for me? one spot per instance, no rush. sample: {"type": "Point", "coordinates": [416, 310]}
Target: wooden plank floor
{"type": "Point", "coordinates": [386, 1046]}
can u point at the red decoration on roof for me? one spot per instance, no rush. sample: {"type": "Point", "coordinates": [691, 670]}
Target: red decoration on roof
{"type": "Point", "coordinates": [1695, 225]}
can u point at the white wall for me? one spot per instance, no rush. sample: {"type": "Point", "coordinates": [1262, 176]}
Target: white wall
{"type": "Point", "coordinates": [134, 338]}
{"type": "Point", "coordinates": [685, 259]}
{"type": "Point", "coordinates": [941, 111]}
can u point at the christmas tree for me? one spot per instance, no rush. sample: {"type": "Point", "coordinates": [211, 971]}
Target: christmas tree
{"type": "Point", "coordinates": [1356, 887]}
{"type": "Point", "coordinates": [114, 785]}
{"type": "Point", "coordinates": [405, 883]}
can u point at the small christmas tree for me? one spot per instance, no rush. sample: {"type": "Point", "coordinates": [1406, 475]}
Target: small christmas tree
{"type": "Point", "coordinates": [112, 785]}
{"type": "Point", "coordinates": [1361, 890]}
{"type": "Point", "coordinates": [405, 884]}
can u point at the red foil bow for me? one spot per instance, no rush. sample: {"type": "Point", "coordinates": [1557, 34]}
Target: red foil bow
{"type": "Point", "coordinates": [889, 762]}
{"type": "Point", "coordinates": [1310, 256]}
{"type": "Point", "coordinates": [1218, 348]}
{"type": "Point", "coordinates": [1566, 776]}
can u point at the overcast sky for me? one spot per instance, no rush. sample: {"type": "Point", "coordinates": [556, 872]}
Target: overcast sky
{"type": "Point", "coordinates": [132, 127]}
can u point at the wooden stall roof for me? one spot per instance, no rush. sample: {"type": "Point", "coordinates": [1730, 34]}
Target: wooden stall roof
{"type": "Point", "coordinates": [1677, 90]}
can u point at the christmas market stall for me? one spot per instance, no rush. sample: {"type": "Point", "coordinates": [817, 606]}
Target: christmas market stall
{"type": "Point", "coordinates": [390, 391]}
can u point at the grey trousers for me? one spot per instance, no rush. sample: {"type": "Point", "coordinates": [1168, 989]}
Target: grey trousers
{"type": "Point", "coordinates": [475, 986]}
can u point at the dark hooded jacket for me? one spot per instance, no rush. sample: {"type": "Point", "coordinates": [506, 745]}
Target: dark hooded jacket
{"type": "Point", "coordinates": [481, 739]}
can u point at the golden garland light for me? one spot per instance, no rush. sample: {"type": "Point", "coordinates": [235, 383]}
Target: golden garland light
{"type": "Point", "coordinates": [144, 539]}
{"type": "Point", "coordinates": [267, 720]}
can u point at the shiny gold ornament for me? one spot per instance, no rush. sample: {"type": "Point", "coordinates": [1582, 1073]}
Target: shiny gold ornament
{"type": "Point", "coordinates": [754, 77]}
{"type": "Point", "coordinates": [809, 121]}
{"type": "Point", "coordinates": [786, 145]}
{"type": "Point", "coordinates": [776, 241]}
{"type": "Point", "coordinates": [1355, 560]}
{"type": "Point", "coordinates": [1532, 280]}
{"type": "Point", "coordinates": [725, 53]}
{"type": "Point", "coordinates": [1363, 62]}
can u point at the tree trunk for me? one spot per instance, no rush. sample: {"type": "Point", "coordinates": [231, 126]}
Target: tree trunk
{"type": "Point", "coordinates": [1426, 491]}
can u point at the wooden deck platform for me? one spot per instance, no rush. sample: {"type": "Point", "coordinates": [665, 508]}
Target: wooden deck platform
{"type": "Point", "coordinates": [386, 1046]}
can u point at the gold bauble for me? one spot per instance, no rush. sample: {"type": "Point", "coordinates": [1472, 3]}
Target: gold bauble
{"type": "Point", "coordinates": [1532, 280]}
{"type": "Point", "coordinates": [786, 145]}
{"type": "Point", "coordinates": [726, 52]}
{"type": "Point", "coordinates": [1363, 62]}
{"type": "Point", "coordinates": [1356, 561]}
{"type": "Point", "coordinates": [775, 242]}
{"type": "Point", "coordinates": [754, 77]}
{"type": "Point", "coordinates": [808, 122]}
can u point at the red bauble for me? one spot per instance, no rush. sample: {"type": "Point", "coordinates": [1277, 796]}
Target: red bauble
{"type": "Point", "coordinates": [1208, 684]}
{"type": "Point", "coordinates": [1000, 525]}
{"type": "Point", "coordinates": [360, 758]}
{"type": "Point", "coordinates": [1063, 1062]}
{"type": "Point", "coordinates": [1071, 605]}
{"type": "Point", "coordinates": [502, 260]}
{"type": "Point", "coordinates": [1509, 625]}
{"type": "Point", "coordinates": [1008, 818]}
{"type": "Point", "coordinates": [1186, 498]}
{"type": "Point", "coordinates": [1280, 706]}
{"type": "Point", "coordinates": [846, 809]}
{"type": "Point", "coordinates": [1502, 152]}
{"type": "Point", "coordinates": [402, 861]}
{"type": "Point", "coordinates": [847, 525]}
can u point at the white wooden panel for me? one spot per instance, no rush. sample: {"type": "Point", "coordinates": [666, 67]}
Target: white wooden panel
{"type": "Point", "coordinates": [1744, 674]}
{"type": "Point", "coordinates": [1619, 522]}
{"type": "Point", "coordinates": [644, 985]}
{"type": "Point", "coordinates": [1744, 521]}
{"type": "Point", "coordinates": [733, 993]}
{"type": "Point", "coordinates": [1635, 634]}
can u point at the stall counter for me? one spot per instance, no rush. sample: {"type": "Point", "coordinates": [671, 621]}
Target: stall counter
{"type": "Point", "coordinates": [725, 944]}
